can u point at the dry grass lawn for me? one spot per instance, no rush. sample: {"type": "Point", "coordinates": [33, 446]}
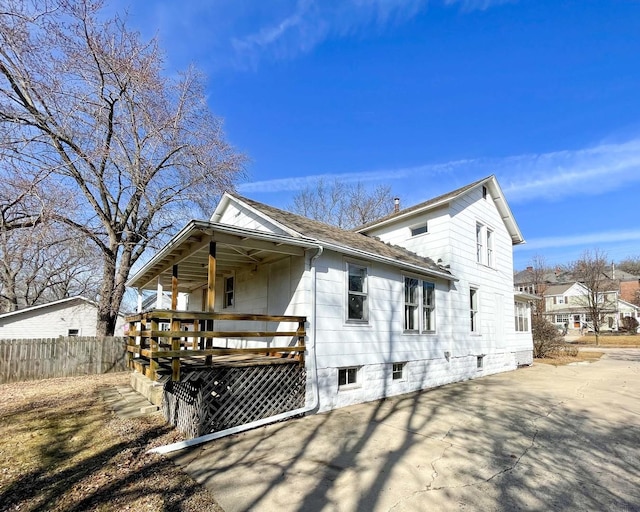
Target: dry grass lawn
{"type": "Point", "coordinates": [581, 356]}
{"type": "Point", "coordinates": [610, 341]}
{"type": "Point", "coordinates": [61, 449]}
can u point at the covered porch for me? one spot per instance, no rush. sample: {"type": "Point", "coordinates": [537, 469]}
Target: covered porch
{"type": "Point", "coordinates": [219, 365]}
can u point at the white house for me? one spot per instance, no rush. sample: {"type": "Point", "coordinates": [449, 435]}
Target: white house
{"type": "Point", "coordinates": [567, 305]}
{"type": "Point", "coordinates": [420, 298]}
{"type": "Point", "coordinates": [74, 316]}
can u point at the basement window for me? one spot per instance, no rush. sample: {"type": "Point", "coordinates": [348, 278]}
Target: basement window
{"type": "Point", "coordinates": [480, 362]}
{"type": "Point", "coordinates": [347, 377]}
{"type": "Point", "coordinates": [398, 371]}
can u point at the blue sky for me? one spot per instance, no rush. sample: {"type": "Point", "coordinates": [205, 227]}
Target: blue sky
{"type": "Point", "coordinates": [427, 96]}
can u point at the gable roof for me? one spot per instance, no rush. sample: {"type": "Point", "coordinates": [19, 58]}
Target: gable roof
{"type": "Point", "coordinates": [342, 240]}
{"type": "Point", "coordinates": [496, 193]}
{"type": "Point", "coordinates": [558, 289]}
{"type": "Point", "coordinates": [77, 298]}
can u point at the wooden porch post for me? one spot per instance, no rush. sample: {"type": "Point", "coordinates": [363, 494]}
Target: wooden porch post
{"type": "Point", "coordinates": [211, 293]}
{"type": "Point", "coordinates": [174, 288]}
{"type": "Point", "coordinates": [175, 325]}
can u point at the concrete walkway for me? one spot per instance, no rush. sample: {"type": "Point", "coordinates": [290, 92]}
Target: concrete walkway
{"type": "Point", "coordinates": [541, 438]}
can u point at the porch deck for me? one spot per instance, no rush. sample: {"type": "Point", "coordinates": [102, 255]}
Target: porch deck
{"type": "Point", "coordinates": [171, 342]}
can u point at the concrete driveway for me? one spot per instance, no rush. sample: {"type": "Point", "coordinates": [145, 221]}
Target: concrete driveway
{"type": "Point", "coordinates": [541, 438]}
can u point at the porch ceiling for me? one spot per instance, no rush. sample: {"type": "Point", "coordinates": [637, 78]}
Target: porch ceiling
{"type": "Point", "coordinates": [236, 249]}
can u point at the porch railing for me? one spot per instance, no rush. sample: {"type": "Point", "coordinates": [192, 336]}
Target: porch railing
{"type": "Point", "coordinates": [160, 336]}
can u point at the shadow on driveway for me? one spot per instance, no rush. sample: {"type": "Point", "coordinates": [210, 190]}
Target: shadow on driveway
{"type": "Point", "coordinates": [541, 438]}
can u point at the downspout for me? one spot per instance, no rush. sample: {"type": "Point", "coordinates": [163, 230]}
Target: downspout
{"type": "Point", "coordinates": [315, 399]}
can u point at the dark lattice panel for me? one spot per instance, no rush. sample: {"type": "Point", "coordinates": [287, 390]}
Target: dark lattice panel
{"type": "Point", "coordinates": [208, 401]}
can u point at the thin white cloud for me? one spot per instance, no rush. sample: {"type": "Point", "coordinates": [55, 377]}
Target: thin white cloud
{"type": "Point", "coordinates": [584, 240]}
{"type": "Point", "coordinates": [557, 175]}
{"type": "Point", "coordinates": [478, 5]}
{"type": "Point", "coordinates": [524, 178]}
{"type": "Point", "coordinates": [384, 175]}
{"type": "Point", "coordinates": [307, 23]}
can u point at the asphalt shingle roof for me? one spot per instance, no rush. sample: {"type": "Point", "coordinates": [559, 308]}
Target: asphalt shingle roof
{"type": "Point", "coordinates": [344, 238]}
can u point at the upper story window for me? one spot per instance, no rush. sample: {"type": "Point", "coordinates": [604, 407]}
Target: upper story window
{"type": "Point", "coordinates": [419, 305]}
{"type": "Point", "coordinates": [479, 243]}
{"type": "Point", "coordinates": [489, 247]}
{"type": "Point", "coordinates": [418, 230]}
{"type": "Point", "coordinates": [228, 291]}
{"type": "Point", "coordinates": [484, 192]}
{"type": "Point", "coordinates": [357, 293]}
{"type": "Point", "coordinates": [484, 245]}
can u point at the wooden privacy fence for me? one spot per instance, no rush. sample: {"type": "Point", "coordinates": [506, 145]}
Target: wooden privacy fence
{"type": "Point", "coordinates": [32, 359]}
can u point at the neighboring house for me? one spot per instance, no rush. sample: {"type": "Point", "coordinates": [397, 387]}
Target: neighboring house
{"type": "Point", "coordinates": [417, 299]}
{"type": "Point", "coordinates": [566, 305]}
{"type": "Point", "coordinates": [74, 316]}
{"type": "Point", "coordinates": [565, 299]}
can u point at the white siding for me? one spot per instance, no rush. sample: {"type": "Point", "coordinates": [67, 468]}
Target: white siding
{"type": "Point", "coordinates": [448, 355]}
{"type": "Point", "coordinates": [235, 215]}
{"type": "Point", "coordinates": [53, 321]}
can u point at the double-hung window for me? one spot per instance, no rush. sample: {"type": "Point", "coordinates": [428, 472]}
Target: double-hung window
{"type": "Point", "coordinates": [357, 294]}
{"type": "Point", "coordinates": [419, 305]}
{"type": "Point", "coordinates": [428, 306]}
{"type": "Point", "coordinates": [411, 304]}
{"type": "Point", "coordinates": [522, 317]}
{"type": "Point", "coordinates": [484, 245]}
{"type": "Point", "coordinates": [228, 292]}
{"type": "Point", "coordinates": [473, 309]}
{"type": "Point", "coordinates": [479, 243]}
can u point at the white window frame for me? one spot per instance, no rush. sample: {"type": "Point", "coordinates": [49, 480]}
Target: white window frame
{"type": "Point", "coordinates": [357, 293]}
{"type": "Point", "coordinates": [489, 233]}
{"type": "Point", "coordinates": [228, 296]}
{"type": "Point", "coordinates": [521, 316]}
{"type": "Point", "coordinates": [485, 253]}
{"type": "Point", "coordinates": [474, 310]}
{"type": "Point", "coordinates": [418, 308]}
{"type": "Point", "coordinates": [479, 242]}
{"type": "Point", "coordinates": [351, 377]}
{"type": "Point", "coordinates": [419, 229]}
{"type": "Point", "coordinates": [428, 306]}
{"type": "Point", "coordinates": [397, 371]}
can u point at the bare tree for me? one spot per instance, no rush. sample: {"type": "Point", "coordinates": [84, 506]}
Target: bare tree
{"type": "Point", "coordinates": [630, 265]}
{"type": "Point", "coordinates": [40, 264]}
{"type": "Point", "coordinates": [86, 101]}
{"type": "Point", "coordinates": [342, 204]}
{"type": "Point", "coordinates": [537, 283]}
{"type": "Point", "coordinates": [599, 298]}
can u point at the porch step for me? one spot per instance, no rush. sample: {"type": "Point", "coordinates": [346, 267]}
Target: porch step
{"type": "Point", "coordinates": [151, 390]}
{"type": "Point", "coordinates": [127, 403]}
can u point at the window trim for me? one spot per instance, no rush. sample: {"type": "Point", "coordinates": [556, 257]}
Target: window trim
{"type": "Point", "coordinates": [419, 306]}
{"type": "Point", "coordinates": [521, 315]}
{"type": "Point", "coordinates": [366, 267]}
{"type": "Point", "coordinates": [419, 229]}
{"type": "Point", "coordinates": [398, 369]}
{"type": "Point", "coordinates": [474, 309]}
{"type": "Point", "coordinates": [228, 294]}
{"type": "Point", "coordinates": [349, 370]}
